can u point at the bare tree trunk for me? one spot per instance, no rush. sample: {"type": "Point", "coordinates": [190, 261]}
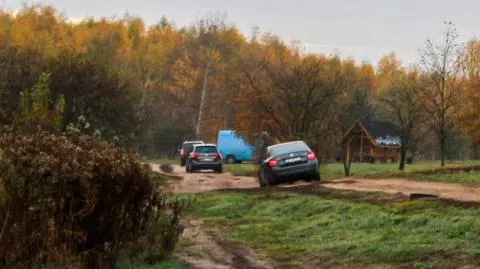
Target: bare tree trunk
{"type": "Point", "coordinates": [474, 151]}
{"type": "Point", "coordinates": [442, 151]}
{"type": "Point", "coordinates": [202, 100]}
{"type": "Point", "coordinates": [403, 157]}
{"type": "Point", "coordinates": [347, 158]}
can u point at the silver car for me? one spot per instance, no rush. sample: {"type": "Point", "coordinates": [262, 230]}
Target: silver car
{"type": "Point", "coordinates": [204, 157]}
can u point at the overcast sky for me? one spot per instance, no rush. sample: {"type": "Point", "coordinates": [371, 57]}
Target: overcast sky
{"type": "Point", "coordinates": [364, 29]}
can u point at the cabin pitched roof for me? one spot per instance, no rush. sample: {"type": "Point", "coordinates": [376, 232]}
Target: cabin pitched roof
{"type": "Point", "coordinates": [383, 132]}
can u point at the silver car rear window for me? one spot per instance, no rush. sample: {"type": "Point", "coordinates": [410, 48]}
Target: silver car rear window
{"type": "Point", "coordinates": [288, 148]}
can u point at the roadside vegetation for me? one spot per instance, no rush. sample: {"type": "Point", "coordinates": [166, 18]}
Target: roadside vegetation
{"type": "Point", "coordinates": [330, 227]}
{"type": "Point", "coordinates": [74, 200]}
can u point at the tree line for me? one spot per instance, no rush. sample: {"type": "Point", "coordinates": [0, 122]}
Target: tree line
{"type": "Point", "coordinates": [150, 87]}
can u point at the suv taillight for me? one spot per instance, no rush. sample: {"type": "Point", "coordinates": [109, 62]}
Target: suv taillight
{"type": "Point", "coordinates": [194, 155]}
{"type": "Point", "coordinates": [311, 156]}
{"type": "Point", "coordinates": [218, 156]}
{"type": "Point", "coordinates": [272, 163]}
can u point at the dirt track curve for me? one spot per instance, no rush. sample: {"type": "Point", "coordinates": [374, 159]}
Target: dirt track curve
{"type": "Point", "coordinates": [207, 181]}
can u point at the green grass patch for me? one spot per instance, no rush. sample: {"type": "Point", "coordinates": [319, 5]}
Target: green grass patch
{"type": "Point", "coordinates": [422, 171]}
{"type": "Point", "coordinates": [241, 169]}
{"type": "Point", "coordinates": [339, 226]}
{"type": "Point", "coordinates": [471, 178]}
{"type": "Point", "coordinates": [335, 170]}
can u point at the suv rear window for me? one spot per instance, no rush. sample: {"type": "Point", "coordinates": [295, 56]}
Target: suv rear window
{"type": "Point", "coordinates": [206, 149]}
{"type": "Point", "coordinates": [288, 148]}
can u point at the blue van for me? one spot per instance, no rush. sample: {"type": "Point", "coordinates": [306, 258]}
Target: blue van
{"type": "Point", "coordinates": [234, 148]}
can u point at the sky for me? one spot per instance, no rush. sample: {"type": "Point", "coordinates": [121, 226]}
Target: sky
{"type": "Point", "coordinates": [365, 30]}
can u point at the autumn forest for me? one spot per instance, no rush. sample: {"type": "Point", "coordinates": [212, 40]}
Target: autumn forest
{"type": "Point", "coordinates": [142, 86]}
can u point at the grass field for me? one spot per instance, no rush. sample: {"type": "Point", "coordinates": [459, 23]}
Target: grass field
{"type": "Point", "coordinates": [241, 169]}
{"type": "Point", "coordinates": [342, 227]}
{"type": "Point", "coordinates": [365, 170]}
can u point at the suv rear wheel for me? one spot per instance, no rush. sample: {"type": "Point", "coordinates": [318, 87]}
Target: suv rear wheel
{"type": "Point", "coordinates": [219, 170]}
{"type": "Point", "coordinates": [188, 168]}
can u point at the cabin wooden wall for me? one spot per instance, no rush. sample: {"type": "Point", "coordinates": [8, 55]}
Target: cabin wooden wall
{"type": "Point", "coordinates": [363, 150]}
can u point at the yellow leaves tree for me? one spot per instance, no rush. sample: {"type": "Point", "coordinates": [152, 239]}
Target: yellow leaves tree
{"type": "Point", "coordinates": [387, 67]}
{"type": "Point", "coordinates": [469, 116]}
{"type": "Point", "coordinates": [367, 78]}
{"type": "Point", "coordinates": [36, 106]}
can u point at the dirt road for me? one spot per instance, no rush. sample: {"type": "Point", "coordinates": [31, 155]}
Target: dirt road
{"type": "Point", "coordinates": [206, 181]}
{"type": "Point", "coordinates": [407, 187]}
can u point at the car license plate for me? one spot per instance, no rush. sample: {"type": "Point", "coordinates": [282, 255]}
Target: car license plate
{"type": "Point", "coordinates": [293, 160]}
{"type": "Point", "coordinates": [207, 160]}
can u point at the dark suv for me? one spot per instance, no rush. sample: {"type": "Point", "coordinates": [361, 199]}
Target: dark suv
{"type": "Point", "coordinates": [204, 157]}
{"type": "Point", "coordinates": [187, 147]}
{"type": "Point", "coordinates": [288, 162]}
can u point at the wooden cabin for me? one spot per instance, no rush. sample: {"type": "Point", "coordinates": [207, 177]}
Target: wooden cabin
{"type": "Point", "coordinates": [373, 141]}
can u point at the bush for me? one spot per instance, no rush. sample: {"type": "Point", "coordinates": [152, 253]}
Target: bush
{"type": "Point", "coordinates": [77, 201]}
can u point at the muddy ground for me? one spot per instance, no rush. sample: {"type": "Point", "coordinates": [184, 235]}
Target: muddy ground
{"type": "Point", "coordinates": [211, 251]}
{"type": "Point", "coordinates": [208, 181]}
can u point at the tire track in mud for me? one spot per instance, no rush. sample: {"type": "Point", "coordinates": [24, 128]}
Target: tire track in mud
{"type": "Point", "coordinates": [211, 251]}
{"type": "Point", "coordinates": [204, 182]}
